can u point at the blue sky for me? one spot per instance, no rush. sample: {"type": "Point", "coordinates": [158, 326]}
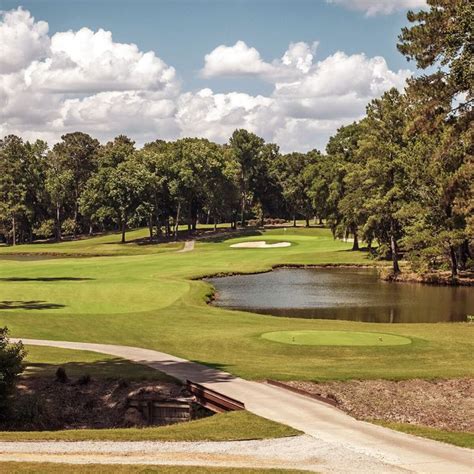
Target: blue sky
{"type": "Point", "coordinates": [182, 31]}
{"type": "Point", "coordinates": [292, 71]}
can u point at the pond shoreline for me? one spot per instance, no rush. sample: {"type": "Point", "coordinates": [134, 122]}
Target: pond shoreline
{"type": "Point", "coordinates": [384, 271]}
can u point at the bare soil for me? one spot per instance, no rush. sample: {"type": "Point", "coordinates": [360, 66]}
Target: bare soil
{"type": "Point", "coordinates": [442, 404]}
{"type": "Point", "coordinates": [44, 403]}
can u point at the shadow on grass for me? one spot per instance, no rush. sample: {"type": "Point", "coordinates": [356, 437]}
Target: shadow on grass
{"type": "Point", "coordinates": [32, 304]}
{"type": "Point", "coordinates": [113, 368]}
{"type": "Point", "coordinates": [234, 235]}
{"type": "Point", "coordinates": [46, 279]}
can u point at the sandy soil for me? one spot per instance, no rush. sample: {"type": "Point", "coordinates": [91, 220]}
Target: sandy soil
{"type": "Point", "coordinates": [260, 244]}
{"type": "Point", "coordinates": [443, 404]}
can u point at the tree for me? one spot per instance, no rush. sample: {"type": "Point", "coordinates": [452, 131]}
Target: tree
{"type": "Point", "coordinates": [12, 184]}
{"type": "Point", "coordinates": [296, 182]}
{"type": "Point", "coordinates": [443, 37]}
{"type": "Point", "coordinates": [247, 148]}
{"type": "Point", "coordinates": [11, 365]}
{"type": "Point", "coordinates": [383, 145]}
{"type": "Point", "coordinates": [77, 156]}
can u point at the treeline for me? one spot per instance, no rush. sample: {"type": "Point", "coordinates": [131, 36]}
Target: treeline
{"type": "Point", "coordinates": [401, 179]}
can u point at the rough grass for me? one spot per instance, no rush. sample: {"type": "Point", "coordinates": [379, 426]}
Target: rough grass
{"type": "Point", "coordinates": [60, 468]}
{"type": "Point", "coordinates": [153, 301]}
{"type": "Point", "coordinates": [458, 438]}
{"type": "Point", "coordinates": [231, 426]}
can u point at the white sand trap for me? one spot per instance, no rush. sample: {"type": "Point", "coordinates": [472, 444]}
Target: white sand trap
{"type": "Point", "coordinates": [259, 244]}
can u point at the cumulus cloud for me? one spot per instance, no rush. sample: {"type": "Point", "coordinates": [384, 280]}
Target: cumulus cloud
{"type": "Point", "coordinates": [379, 7]}
{"type": "Point", "coordinates": [84, 80]}
{"type": "Point", "coordinates": [22, 40]}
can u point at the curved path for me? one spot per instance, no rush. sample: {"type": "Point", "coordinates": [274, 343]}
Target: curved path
{"type": "Point", "coordinates": [339, 443]}
{"type": "Point", "coordinates": [188, 246]}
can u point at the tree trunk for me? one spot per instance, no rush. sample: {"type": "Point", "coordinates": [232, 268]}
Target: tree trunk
{"type": "Point", "coordinates": [13, 230]}
{"type": "Point", "coordinates": [124, 228]}
{"type": "Point", "coordinates": [58, 222]}
{"type": "Point", "coordinates": [242, 211]}
{"type": "Point", "coordinates": [355, 245]}
{"type": "Point", "coordinates": [294, 220]}
{"type": "Point", "coordinates": [454, 262]}
{"type": "Point", "coordinates": [307, 222]}
{"type": "Point", "coordinates": [150, 227]}
{"type": "Point", "coordinates": [393, 248]}
{"type": "Point", "coordinates": [176, 224]}
{"type": "Point", "coordinates": [465, 254]}
{"type": "Point", "coordinates": [215, 224]}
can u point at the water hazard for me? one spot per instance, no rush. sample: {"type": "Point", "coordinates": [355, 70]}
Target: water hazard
{"type": "Point", "coordinates": [342, 293]}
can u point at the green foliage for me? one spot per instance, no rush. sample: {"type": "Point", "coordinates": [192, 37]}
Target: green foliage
{"type": "Point", "coordinates": [11, 365]}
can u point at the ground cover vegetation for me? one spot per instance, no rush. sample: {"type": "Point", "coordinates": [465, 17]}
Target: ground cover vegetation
{"type": "Point", "coordinates": [400, 178]}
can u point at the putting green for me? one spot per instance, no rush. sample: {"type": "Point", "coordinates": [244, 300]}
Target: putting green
{"type": "Point", "coordinates": [336, 338]}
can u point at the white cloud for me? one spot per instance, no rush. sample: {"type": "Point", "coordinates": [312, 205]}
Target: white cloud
{"type": "Point", "coordinates": [238, 59]}
{"type": "Point", "coordinates": [382, 7]}
{"type": "Point", "coordinates": [22, 40]}
{"type": "Point", "coordinates": [84, 80]}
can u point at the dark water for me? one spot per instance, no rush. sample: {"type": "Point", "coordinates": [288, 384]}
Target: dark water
{"type": "Point", "coordinates": [350, 294]}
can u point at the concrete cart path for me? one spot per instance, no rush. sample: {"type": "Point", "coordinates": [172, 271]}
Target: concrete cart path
{"type": "Point", "coordinates": [188, 246]}
{"type": "Point", "coordinates": [334, 430]}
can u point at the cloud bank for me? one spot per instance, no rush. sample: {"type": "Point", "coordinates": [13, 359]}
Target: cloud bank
{"type": "Point", "coordinates": [84, 80]}
{"type": "Point", "coordinates": [379, 7]}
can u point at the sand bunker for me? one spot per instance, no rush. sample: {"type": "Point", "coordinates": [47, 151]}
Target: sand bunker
{"type": "Point", "coordinates": [259, 244]}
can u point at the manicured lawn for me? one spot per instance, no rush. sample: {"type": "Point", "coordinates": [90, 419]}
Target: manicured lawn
{"type": "Point", "coordinates": [335, 338]}
{"type": "Point", "coordinates": [152, 300]}
{"type": "Point", "coordinates": [458, 438]}
{"type": "Point", "coordinates": [44, 361]}
{"type": "Point", "coordinates": [60, 468]}
{"type": "Point", "coordinates": [232, 426]}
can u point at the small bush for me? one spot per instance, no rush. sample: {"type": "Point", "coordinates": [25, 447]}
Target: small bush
{"type": "Point", "coordinates": [61, 375]}
{"type": "Point", "coordinates": [84, 380]}
{"type": "Point", "coordinates": [11, 365]}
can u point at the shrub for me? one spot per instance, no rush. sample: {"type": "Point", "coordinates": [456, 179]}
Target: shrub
{"type": "Point", "coordinates": [61, 375]}
{"type": "Point", "coordinates": [69, 226]}
{"type": "Point", "coordinates": [11, 365]}
{"type": "Point", "coordinates": [45, 229]}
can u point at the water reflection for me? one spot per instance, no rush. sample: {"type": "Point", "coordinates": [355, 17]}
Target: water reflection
{"type": "Point", "coordinates": [350, 294]}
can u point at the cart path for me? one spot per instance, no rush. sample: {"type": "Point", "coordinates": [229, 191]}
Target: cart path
{"type": "Point", "coordinates": [339, 440]}
{"type": "Point", "coordinates": [188, 246]}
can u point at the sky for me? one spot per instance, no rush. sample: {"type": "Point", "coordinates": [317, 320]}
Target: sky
{"type": "Point", "coordinates": [292, 71]}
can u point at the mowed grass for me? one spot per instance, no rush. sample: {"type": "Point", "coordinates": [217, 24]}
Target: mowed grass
{"type": "Point", "coordinates": [231, 426]}
{"type": "Point", "coordinates": [457, 438]}
{"type": "Point", "coordinates": [61, 468]}
{"type": "Point", "coordinates": [154, 300]}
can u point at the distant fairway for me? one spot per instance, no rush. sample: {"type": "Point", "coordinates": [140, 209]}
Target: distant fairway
{"type": "Point", "coordinates": [150, 296]}
{"type": "Point", "coordinates": [336, 338]}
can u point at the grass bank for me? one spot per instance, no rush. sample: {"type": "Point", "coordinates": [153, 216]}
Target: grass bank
{"type": "Point", "coordinates": [458, 438]}
{"type": "Point", "coordinates": [231, 426]}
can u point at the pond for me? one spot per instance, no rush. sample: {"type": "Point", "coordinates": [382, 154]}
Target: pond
{"type": "Point", "coordinates": [355, 294]}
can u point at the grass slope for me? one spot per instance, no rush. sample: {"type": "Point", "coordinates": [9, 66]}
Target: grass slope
{"type": "Point", "coordinates": [231, 426]}
{"type": "Point", "coordinates": [44, 361]}
{"type": "Point", "coordinates": [151, 300]}
{"type": "Point", "coordinates": [458, 438]}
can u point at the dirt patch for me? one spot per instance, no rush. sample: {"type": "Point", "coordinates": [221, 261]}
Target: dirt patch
{"type": "Point", "coordinates": [45, 403]}
{"type": "Point", "coordinates": [443, 404]}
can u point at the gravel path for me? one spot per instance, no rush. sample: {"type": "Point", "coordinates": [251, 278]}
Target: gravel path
{"type": "Point", "coordinates": [302, 452]}
{"type": "Point", "coordinates": [334, 441]}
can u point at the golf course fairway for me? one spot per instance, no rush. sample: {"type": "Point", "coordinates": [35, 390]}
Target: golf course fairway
{"type": "Point", "coordinates": [152, 296]}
